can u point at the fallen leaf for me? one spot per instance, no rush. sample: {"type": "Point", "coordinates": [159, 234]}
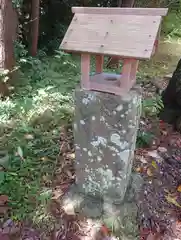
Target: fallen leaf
{"type": "Point", "coordinates": [153, 154]}
{"type": "Point", "coordinates": [104, 230]}
{"type": "Point", "coordinates": [57, 194]}
{"type": "Point", "coordinates": [138, 169]}
{"type": "Point", "coordinates": [69, 174]}
{"type": "Point", "coordinates": [162, 149]}
{"type": "Point", "coordinates": [179, 188]}
{"type": "Point", "coordinates": [69, 208]}
{"type": "Point", "coordinates": [172, 200]}
{"type": "Point", "coordinates": [63, 148]}
{"type": "Point", "coordinates": [166, 190]}
{"type": "Point", "coordinates": [143, 160]}
{"type": "Point", "coordinates": [164, 133]}
{"type": "Point", "coordinates": [149, 172]}
{"type": "Point", "coordinates": [71, 156]}
{"type": "Point", "coordinates": [154, 164]}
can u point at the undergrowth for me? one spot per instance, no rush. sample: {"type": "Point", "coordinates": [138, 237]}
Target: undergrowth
{"type": "Point", "coordinates": [150, 110]}
{"type": "Point", "coordinates": [30, 122]}
{"type": "Point", "coordinates": [171, 26]}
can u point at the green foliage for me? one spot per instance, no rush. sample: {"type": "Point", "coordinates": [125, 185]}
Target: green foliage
{"type": "Point", "coordinates": [4, 75]}
{"type": "Point", "coordinates": [143, 139]}
{"type": "Point", "coordinates": [20, 51]}
{"type": "Point", "coordinates": [171, 24]}
{"type": "Point", "coordinates": [29, 130]}
{"type": "Point", "coordinates": [152, 106]}
{"type": "Point", "coordinates": [17, 3]}
{"type": "Point", "coordinates": [56, 15]}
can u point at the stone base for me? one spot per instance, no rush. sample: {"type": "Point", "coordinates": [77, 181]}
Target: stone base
{"type": "Point", "coordinates": [105, 131]}
{"type": "Point", "coordinates": [121, 219]}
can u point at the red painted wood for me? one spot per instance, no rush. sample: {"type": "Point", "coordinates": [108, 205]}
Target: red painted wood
{"type": "Point", "coordinates": [85, 71]}
{"type": "Point", "coordinates": [100, 83]}
{"type": "Point", "coordinates": [99, 63]}
{"type": "Point", "coordinates": [126, 72]}
{"type": "Point", "coordinates": [134, 68]}
{"type": "Point", "coordinates": [107, 88]}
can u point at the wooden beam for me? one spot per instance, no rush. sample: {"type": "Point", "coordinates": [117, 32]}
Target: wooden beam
{"type": "Point", "coordinates": [85, 71]}
{"type": "Point", "coordinates": [99, 63]}
{"type": "Point", "coordinates": [122, 11]}
{"type": "Point", "coordinates": [125, 74]}
{"type": "Point", "coordinates": [134, 67]}
{"type": "Point", "coordinates": [155, 47]}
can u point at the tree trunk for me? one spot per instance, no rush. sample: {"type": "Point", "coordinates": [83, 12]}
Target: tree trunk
{"type": "Point", "coordinates": [34, 26]}
{"type": "Point", "coordinates": [113, 62]}
{"type": "Point", "coordinates": [155, 3]}
{"type": "Point", "coordinates": [171, 98]}
{"type": "Point", "coordinates": [84, 3]}
{"type": "Point", "coordinates": [25, 23]}
{"type": "Point", "coordinates": [126, 3]}
{"type": "Point", "coordinates": [8, 28]}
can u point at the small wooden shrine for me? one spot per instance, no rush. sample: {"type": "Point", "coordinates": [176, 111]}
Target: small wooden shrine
{"type": "Point", "coordinates": [129, 33]}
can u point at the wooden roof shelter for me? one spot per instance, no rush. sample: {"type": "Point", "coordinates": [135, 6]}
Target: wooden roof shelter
{"type": "Point", "coordinates": [129, 33]}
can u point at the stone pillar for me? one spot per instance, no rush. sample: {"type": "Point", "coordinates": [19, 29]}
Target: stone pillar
{"type": "Point", "coordinates": [105, 131]}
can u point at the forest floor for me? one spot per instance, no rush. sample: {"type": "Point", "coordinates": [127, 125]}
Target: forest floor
{"type": "Point", "coordinates": [36, 153]}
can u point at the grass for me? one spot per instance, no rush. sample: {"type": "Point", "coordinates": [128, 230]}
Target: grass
{"type": "Point", "coordinates": [31, 119]}
{"type": "Point", "coordinates": [30, 124]}
{"type": "Point", "coordinates": [164, 61]}
{"type": "Point", "coordinates": [171, 24]}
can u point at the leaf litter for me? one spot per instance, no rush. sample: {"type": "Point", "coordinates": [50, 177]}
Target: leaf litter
{"type": "Point", "coordinates": [160, 198]}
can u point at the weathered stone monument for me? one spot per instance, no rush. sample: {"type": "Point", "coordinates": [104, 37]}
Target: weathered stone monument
{"type": "Point", "coordinates": [108, 105]}
{"type": "Point", "coordinates": [105, 134]}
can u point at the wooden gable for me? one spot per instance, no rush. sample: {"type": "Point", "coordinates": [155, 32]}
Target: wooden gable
{"type": "Point", "coordinates": [113, 31]}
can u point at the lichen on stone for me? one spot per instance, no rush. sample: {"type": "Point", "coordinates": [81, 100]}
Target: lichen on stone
{"type": "Point", "coordinates": [115, 138]}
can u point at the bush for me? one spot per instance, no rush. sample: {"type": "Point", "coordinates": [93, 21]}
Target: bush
{"type": "Point", "coordinates": [171, 24]}
{"type": "Point", "coordinates": [152, 106]}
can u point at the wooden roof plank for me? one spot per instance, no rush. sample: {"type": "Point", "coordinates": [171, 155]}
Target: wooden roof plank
{"type": "Point", "coordinates": [121, 11]}
{"type": "Point", "coordinates": [119, 35]}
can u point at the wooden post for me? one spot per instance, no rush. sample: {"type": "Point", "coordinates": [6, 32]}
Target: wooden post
{"type": "Point", "coordinates": [99, 63]}
{"type": "Point", "coordinates": [85, 71]}
{"type": "Point", "coordinates": [126, 71]}
{"type": "Point", "coordinates": [156, 41]}
{"type": "Point", "coordinates": [134, 67]}
{"type": "Point", "coordinates": [129, 70]}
